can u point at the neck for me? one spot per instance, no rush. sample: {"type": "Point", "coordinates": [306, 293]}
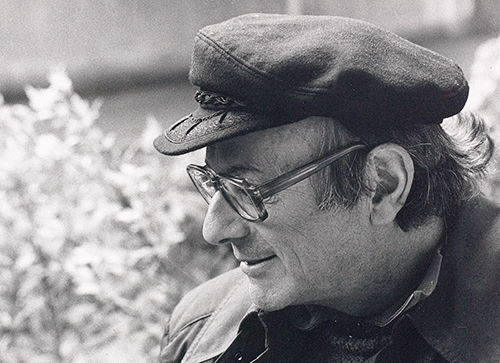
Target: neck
{"type": "Point", "coordinates": [405, 269]}
{"type": "Point", "coordinates": [425, 240]}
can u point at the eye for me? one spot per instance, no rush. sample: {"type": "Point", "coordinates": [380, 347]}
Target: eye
{"type": "Point", "coordinates": [271, 200]}
{"type": "Point", "coordinates": [206, 182]}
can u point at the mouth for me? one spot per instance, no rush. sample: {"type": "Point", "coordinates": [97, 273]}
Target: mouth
{"type": "Point", "coordinates": [256, 262]}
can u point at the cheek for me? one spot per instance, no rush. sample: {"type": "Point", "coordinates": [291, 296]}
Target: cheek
{"type": "Point", "coordinates": [305, 255]}
{"type": "Point", "coordinates": [329, 253]}
{"type": "Point", "coordinates": [293, 225]}
{"type": "Point", "coordinates": [294, 209]}
{"type": "Point", "coordinates": [315, 246]}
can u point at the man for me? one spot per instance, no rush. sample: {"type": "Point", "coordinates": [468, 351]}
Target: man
{"type": "Point", "coordinates": [356, 218]}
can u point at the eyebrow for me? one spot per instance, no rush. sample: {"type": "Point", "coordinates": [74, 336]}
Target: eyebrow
{"type": "Point", "coordinates": [236, 170]}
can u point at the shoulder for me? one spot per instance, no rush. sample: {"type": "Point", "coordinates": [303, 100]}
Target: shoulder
{"type": "Point", "coordinates": [480, 214]}
{"type": "Point", "coordinates": [206, 320]}
{"type": "Point", "coordinates": [475, 236]}
{"type": "Point", "coordinates": [473, 251]}
{"type": "Point", "coordinates": [201, 302]}
{"type": "Point", "coordinates": [465, 307]}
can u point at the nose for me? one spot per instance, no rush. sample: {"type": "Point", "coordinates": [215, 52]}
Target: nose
{"type": "Point", "coordinates": [222, 223]}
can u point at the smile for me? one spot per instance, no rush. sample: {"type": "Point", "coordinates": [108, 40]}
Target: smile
{"type": "Point", "coordinates": [255, 262]}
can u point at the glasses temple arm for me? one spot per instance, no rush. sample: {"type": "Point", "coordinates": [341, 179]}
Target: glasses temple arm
{"type": "Point", "coordinates": [294, 176]}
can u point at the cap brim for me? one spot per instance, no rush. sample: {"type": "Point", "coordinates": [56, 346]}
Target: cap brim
{"type": "Point", "coordinates": [205, 127]}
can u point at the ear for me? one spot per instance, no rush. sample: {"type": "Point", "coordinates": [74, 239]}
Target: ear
{"type": "Point", "coordinates": [389, 173]}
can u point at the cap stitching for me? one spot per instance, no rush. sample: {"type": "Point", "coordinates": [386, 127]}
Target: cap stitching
{"type": "Point", "coordinates": [185, 138]}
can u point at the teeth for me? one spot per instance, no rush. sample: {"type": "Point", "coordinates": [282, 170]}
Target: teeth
{"type": "Point", "coordinates": [250, 263]}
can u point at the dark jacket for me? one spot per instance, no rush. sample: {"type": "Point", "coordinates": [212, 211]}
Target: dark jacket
{"type": "Point", "coordinates": [460, 320]}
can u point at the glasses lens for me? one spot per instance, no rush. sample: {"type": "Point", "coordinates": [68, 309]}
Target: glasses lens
{"type": "Point", "coordinates": [203, 182]}
{"type": "Point", "coordinates": [239, 198]}
{"type": "Point", "coordinates": [233, 191]}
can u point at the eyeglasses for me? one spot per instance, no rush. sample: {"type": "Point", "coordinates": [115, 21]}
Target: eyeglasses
{"type": "Point", "coordinates": [248, 199]}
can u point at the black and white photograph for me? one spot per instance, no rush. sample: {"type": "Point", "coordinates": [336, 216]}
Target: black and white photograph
{"type": "Point", "coordinates": [250, 181]}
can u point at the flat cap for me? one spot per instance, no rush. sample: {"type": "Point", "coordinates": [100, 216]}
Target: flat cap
{"type": "Point", "coordinates": [259, 71]}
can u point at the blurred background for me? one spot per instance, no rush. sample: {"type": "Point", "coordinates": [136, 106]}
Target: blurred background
{"type": "Point", "coordinates": [135, 54]}
{"type": "Point", "coordinates": [99, 235]}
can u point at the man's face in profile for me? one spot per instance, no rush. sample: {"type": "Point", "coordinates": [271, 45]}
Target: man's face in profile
{"type": "Point", "coordinates": [299, 254]}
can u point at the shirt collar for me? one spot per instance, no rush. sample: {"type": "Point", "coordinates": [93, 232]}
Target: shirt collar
{"type": "Point", "coordinates": [423, 291]}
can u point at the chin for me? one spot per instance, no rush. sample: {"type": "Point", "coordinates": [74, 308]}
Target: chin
{"type": "Point", "coordinates": [272, 299]}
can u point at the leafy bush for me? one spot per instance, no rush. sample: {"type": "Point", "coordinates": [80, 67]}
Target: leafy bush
{"type": "Point", "coordinates": [97, 244]}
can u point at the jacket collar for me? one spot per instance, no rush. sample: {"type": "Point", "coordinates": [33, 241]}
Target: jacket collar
{"type": "Point", "coordinates": [222, 327]}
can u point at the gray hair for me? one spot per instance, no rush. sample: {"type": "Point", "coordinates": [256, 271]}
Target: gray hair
{"type": "Point", "coordinates": [448, 168]}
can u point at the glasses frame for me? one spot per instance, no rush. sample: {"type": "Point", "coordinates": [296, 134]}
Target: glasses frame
{"type": "Point", "coordinates": [258, 193]}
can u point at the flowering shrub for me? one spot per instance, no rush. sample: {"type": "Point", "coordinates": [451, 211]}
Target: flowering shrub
{"type": "Point", "coordinates": [97, 244]}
